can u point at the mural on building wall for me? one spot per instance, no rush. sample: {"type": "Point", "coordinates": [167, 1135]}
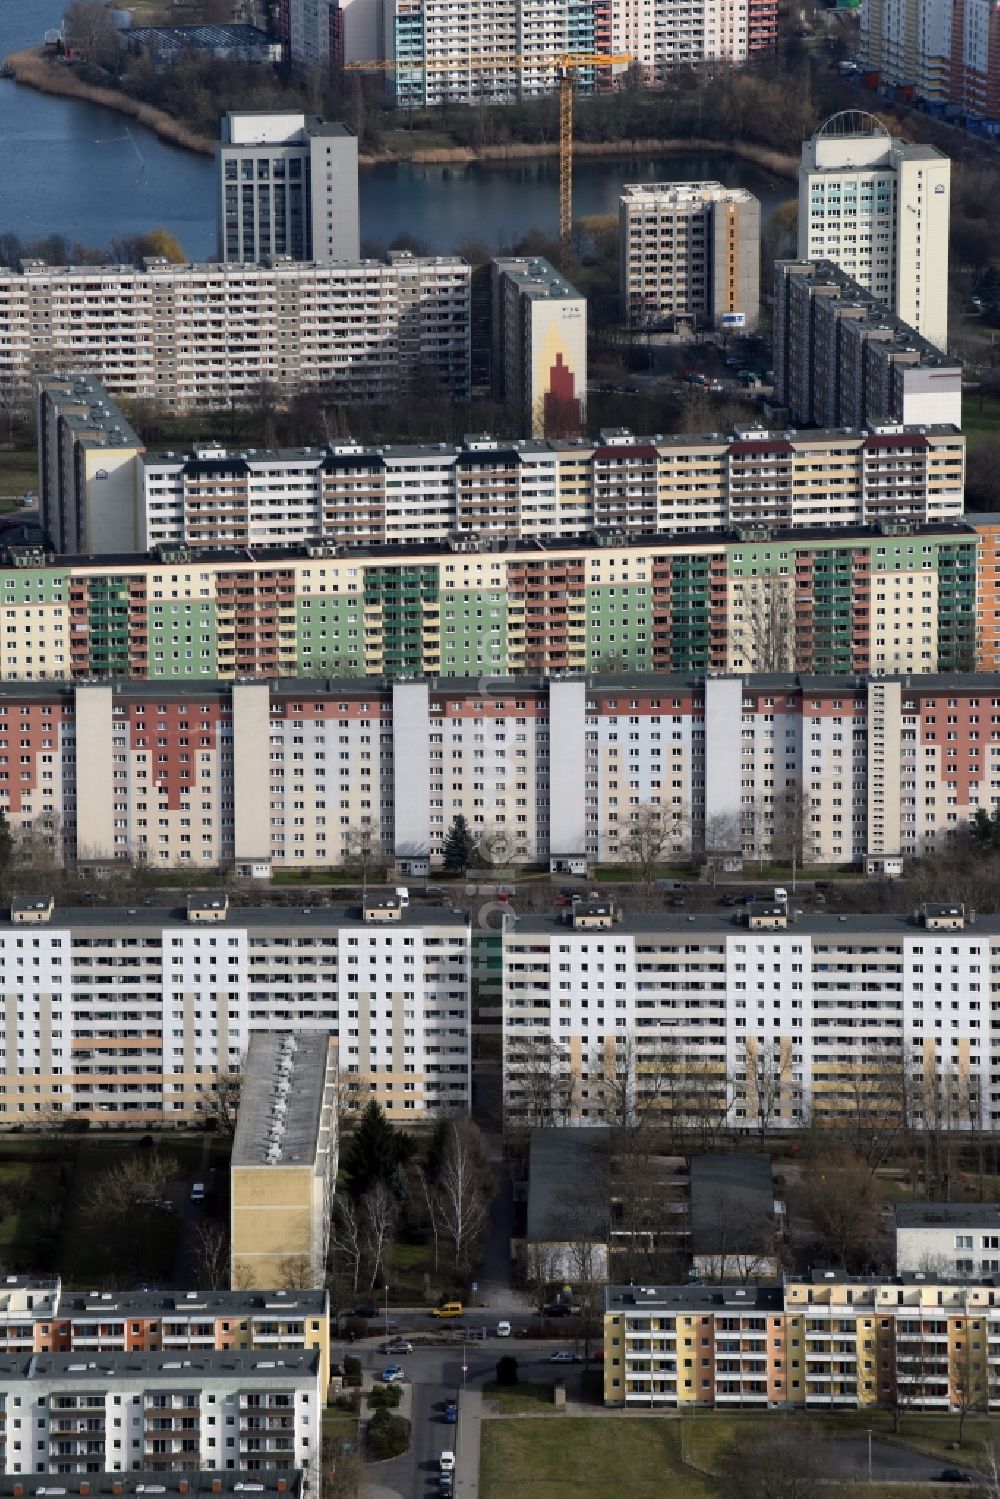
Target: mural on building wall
{"type": "Point", "coordinates": [559, 381]}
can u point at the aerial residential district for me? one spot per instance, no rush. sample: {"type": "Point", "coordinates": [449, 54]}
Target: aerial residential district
{"type": "Point", "coordinates": [500, 750]}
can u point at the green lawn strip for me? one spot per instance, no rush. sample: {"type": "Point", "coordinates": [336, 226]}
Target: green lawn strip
{"type": "Point", "coordinates": [409, 1267]}
{"type": "Point", "coordinates": [18, 474]}
{"type": "Point", "coordinates": [707, 1435]}
{"type": "Point", "coordinates": [600, 1456]}
{"type": "Point", "coordinates": [980, 425]}
{"type": "Point", "coordinates": [531, 1396]}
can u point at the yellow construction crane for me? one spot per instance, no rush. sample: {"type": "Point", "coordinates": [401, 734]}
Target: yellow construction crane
{"type": "Point", "coordinates": [565, 64]}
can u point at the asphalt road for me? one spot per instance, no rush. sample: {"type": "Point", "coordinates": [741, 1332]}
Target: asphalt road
{"type": "Point", "coordinates": [848, 1458]}
{"type": "Point", "coordinates": [435, 1375]}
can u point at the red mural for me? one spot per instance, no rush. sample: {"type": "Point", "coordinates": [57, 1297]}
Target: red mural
{"type": "Point", "coordinates": [562, 404]}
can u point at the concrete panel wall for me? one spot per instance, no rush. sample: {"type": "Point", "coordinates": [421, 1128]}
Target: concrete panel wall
{"type": "Point", "coordinates": [95, 820]}
{"type": "Point", "coordinates": [723, 758]}
{"type": "Point", "coordinates": [411, 767]}
{"type": "Point", "coordinates": [567, 760]}
{"type": "Point", "coordinates": [251, 770]}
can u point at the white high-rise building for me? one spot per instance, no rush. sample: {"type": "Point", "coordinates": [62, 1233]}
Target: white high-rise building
{"type": "Point", "coordinates": [288, 185]}
{"type": "Point", "coordinates": [878, 208]}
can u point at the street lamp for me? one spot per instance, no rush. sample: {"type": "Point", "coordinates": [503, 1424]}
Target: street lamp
{"type": "Point", "coordinates": [869, 1454]}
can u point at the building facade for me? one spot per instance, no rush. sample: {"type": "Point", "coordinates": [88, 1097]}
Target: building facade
{"type": "Point", "coordinates": [947, 1238]}
{"type": "Point", "coordinates": [718, 1018]}
{"type": "Point", "coordinates": [689, 253]}
{"type": "Point", "coordinates": [878, 208]}
{"type": "Point", "coordinates": [288, 185]}
{"type": "Point", "coordinates": [871, 599]}
{"type": "Point", "coordinates": [284, 1163]}
{"type": "Point", "coordinates": [212, 1410]}
{"type": "Point", "coordinates": [173, 775]}
{"type": "Point", "coordinates": [539, 347]}
{"type": "Point", "coordinates": [89, 468]}
{"type": "Point", "coordinates": [202, 989]}
{"type": "Point", "coordinates": [100, 487]}
{"type": "Point", "coordinates": [39, 1316]}
{"type": "Point", "coordinates": [186, 336]}
{"type": "Point", "coordinates": [829, 1343]}
{"type": "Point", "coordinates": [944, 54]}
{"type": "Point", "coordinates": [842, 360]}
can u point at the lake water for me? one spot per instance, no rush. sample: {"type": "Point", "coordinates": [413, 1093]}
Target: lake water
{"type": "Point", "coordinates": [70, 168]}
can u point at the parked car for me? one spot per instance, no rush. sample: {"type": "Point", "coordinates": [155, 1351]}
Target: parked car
{"type": "Point", "coordinates": [367, 1310]}
{"type": "Point", "coordinates": [503, 1329]}
{"type": "Point", "coordinates": [954, 1475]}
{"type": "Point", "coordinates": [446, 1484]}
{"type": "Point", "coordinates": [446, 1462]}
{"type": "Point", "coordinates": [728, 900]}
{"type": "Point", "coordinates": [393, 1374]}
{"type": "Point", "coordinates": [451, 1412]}
{"type": "Point", "coordinates": [198, 1192]}
{"type": "Point", "coordinates": [563, 1356]}
{"type": "Point", "coordinates": [397, 1345]}
{"type": "Point", "coordinates": [449, 1309]}
{"type": "Point", "coordinates": [556, 1309]}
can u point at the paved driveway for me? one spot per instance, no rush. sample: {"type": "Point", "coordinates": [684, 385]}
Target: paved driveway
{"type": "Point", "coordinates": [847, 1457]}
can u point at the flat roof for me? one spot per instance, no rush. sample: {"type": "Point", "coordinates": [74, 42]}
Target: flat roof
{"type": "Point", "coordinates": [693, 1298]}
{"type": "Point", "coordinates": [245, 1363]}
{"type": "Point", "coordinates": [947, 1214]}
{"type": "Point", "coordinates": [285, 1088]}
{"type": "Point", "coordinates": [687, 192]}
{"type": "Point", "coordinates": [728, 924]}
{"type": "Point", "coordinates": [305, 1303]}
{"type": "Point", "coordinates": [732, 1202]}
{"type": "Point", "coordinates": [274, 918]}
{"type": "Point", "coordinates": [568, 1184]}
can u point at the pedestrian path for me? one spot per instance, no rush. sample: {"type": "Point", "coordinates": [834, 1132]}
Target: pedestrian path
{"type": "Point", "coordinates": [470, 1422]}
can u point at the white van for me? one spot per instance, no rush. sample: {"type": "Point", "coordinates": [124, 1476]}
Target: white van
{"type": "Point", "coordinates": [198, 1192]}
{"type": "Point", "coordinates": [403, 895]}
{"type": "Point", "coordinates": [781, 895]}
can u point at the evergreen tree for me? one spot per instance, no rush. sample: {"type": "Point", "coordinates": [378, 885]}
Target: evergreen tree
{"type": "Point", "coordinates": [459, 845]}
{"type": "Point", "coordinates": [376, 1151]}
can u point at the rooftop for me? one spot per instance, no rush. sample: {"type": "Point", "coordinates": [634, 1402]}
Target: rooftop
{"type": "Point", "coordinates": [238, 918]}
{"type": "Point", "coordinates": [536, 276]}
{"type": "Point", "coordinates": [693, 1298]}
{"type": "Point", "coordinates": [948, 1214]}
{"type": "Point", "coordinates": [876, 319]}
{"type": "Point", "coordinates": [706, 925]}
{"type": "Point", "coordinates": [82, 402]}
{"type": "Point", "coordinates": [568, 1184]}
{"type": "Point", "coordinates": [732, 1202]}
{"type": "Point", "coordinates": [686, 192]}
{"type": "Point", "coordinates": [240, 1363]}
{"type": "Point", "coordinates": [287, 1082]}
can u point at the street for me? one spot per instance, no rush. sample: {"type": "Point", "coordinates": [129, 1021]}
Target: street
{"type": "Point", "coordinates": [434, 1375]}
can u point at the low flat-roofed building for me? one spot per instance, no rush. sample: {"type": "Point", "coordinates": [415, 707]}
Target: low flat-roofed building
{"type": "Point", "coordinates": [569, 1187]}
{"type": "Point", "coordinates": [947, 1238]}
{"type": "Point", "coordinates": [284, 1162]}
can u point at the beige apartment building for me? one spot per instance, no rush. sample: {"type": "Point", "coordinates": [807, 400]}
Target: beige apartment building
{"type": "Point", "coordinates": [202, 335]}
{"type": "Point", "coordinates": [284, 1163]}
{"type": "Point", "coordinates": [689, 255]}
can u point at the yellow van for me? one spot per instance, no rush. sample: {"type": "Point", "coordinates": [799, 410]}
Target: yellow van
{"type": "Point", "coordinates": [449, 1309]}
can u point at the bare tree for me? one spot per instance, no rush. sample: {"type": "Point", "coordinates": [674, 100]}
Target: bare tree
{"type": "Point", "coordinates": [432, 1203]}
{"type": "Point", "coordinates": [723, 838]}
{"type": "Point", "coordinates": [462, 1188]}
{"type": "Point", "coordinates": [744, 1242]}
{"type": "Point", "coordinates": [379, 1216]}
{"type": "Point", "coordinates": [541, 1270]}
{"type": "Point", "coordinates": [872, 1100]}
{"type": "Point", "coordinates": [990, 1469]}
{"type": "Point", "coordinates": [222, 1101]}
{"type": "Point", "coordinates": [124, 1191]}
{"type": "Point", "coordinates": [793, 839]}
{"type": "Point", "coordinates": [763, 630]}
{"type": "Point", "coordinates": [915, 1364]}
{"type": "Point", "coordinates": [769, 1074]}
{"type": "Point", "coordinates": [87, 26]}
{"type": "Point", "coordinates": [345, 1239]}
{"type": "Point", "coordinates": [784, 1460]}
{"type": "Point", "coordinates": [297, 1273]}
{"type": "Point", "coordinates": [844, 1201]}
{"type": "Point", "coordinates": [967, 1379]}
{"type": "Point", "coordinates": [538, 1085]}
{"type": "Point", "coordinates": [583, 1223]}
{"type": "Point", "coordinates": [650, 832]}
{"type": "Point", "coordinates": [363, 848]}
{"type": "Point", "coordinates": [210, 1250]}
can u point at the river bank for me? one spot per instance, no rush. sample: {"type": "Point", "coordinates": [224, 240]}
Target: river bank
{"type": "Point", "coordinates": [34, 70]}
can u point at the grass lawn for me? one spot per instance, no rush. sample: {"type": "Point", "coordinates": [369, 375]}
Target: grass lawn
{"type": "Point", "coordinates": [707, 1435]}
{"type": "Point", "coordinates": [528, 1396]}
{"type": "Point", "coordinates": [18, 473]}
{"type": "Point", "coordinates": [600, 1457]}
{"type": "Point", "coordinates": [411, 1275]}
{"type": "Point", "coordinates": [341, 1426]}
{"type": "Point", "coordinates": [977, 425]}
{"type": "Point", "coordinates": [566, 1457]}
{"type": "Point", "coordinates": [45, 1184]}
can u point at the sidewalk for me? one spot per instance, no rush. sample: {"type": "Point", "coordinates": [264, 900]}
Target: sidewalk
{"type": "Point", "coordinates": [470, 1420]}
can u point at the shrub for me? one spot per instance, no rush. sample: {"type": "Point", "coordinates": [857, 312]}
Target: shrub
{"type": "Point", "coordinates": [385, 1395]}
{"type": "Point", "coordinates": [388, 1435]}
{"type": "Point", "coordinates": [507, 1371]}
{"type": "Point", "coordinates": [352, 1372]}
